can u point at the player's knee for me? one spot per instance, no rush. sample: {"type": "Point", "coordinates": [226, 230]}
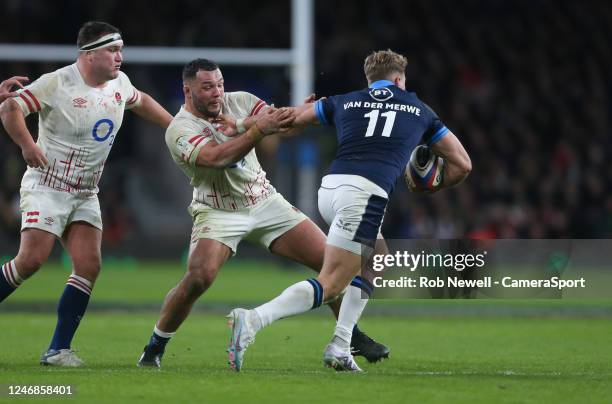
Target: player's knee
{"type": "Point", "coordinates": [201, 277]}
{"type": "Point", "coordinates": [331, 291]}
{"type": "Point", "coordinates": [196, 285]}
{"type": "Point", "coordinates": [28, 264]}
{"type": "Point", "coordinates": [87, 266]}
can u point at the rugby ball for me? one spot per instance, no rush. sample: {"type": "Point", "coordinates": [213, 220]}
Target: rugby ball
{"type": "Point", "coordinates": [424, 171]}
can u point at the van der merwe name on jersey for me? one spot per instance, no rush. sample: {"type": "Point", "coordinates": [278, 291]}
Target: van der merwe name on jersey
{"type": "Point", "coordinates": [383, 105]}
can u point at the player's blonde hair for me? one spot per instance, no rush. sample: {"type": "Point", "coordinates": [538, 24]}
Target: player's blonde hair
{"type": "Point", "coordinates": [380, 64]}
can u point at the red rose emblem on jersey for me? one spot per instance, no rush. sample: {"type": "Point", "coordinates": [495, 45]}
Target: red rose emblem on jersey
{"type": "Point", "coordinates": [206, 132]}
{"type": "Point", "coordinates": [118, 97]}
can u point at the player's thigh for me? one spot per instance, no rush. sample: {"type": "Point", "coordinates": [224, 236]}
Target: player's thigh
{"type": "Point", "coordinates": [339, 267]}
{"type": "Point", "coordinates": [304, 243]}
{"type": "Point", "coordinates": [206, 256]}
{"type": "Point", "coordinates": [355, 217]}
{"type": "Point", "coordinates": [274, 218]}
{"type": "Point", "coordinates": [34, 248]}
{"type": "Point", "coordinates": [226, 227]}
{"type": "Point", "coordinates": [83, 242]}
{"type": "Point", "coordinates": [48, 211]}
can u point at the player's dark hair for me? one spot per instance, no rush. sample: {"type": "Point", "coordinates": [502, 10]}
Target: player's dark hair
{"type": "Point", "coordinates": [192, 68]}
{"type": "Point", "coordinates": [92, 30]}
{"type": "Point", "coordinates": [379, 65]}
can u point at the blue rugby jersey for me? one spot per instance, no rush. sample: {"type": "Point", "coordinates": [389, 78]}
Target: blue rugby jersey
{"type": "Point", "coordinates": [377, 129]}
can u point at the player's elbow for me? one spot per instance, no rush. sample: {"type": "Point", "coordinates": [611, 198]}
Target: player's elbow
{"type": "Point", "coordinates": [465, 165]}
{"type": "Point", "coordinates": [7, 107]}
{"type": "Point", "coordinates": [461, 162]}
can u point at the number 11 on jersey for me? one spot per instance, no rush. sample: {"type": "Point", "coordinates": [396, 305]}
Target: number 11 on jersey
{"type": "Point", "coordinates": [373, 116]}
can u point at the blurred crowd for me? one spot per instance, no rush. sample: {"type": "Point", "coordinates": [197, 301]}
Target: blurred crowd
{"type": "Point", "coordinates": [524, 84]}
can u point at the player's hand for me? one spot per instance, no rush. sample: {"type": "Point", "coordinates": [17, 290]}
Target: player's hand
{"type": "Point", "coordinates": [418, 190]}
{"type": "Point", "coordinates": [310, 99]}
{"type": "Point", "coordinates": [274, 120]}
{"type": "Point", "coordinates": [34, 156]}
{"type": "Point", "coordinates": [226, 125]}
{"type": "Point", "coordinates": [8, 84]}
{"type": "Point", "coordinates": [424, 191]}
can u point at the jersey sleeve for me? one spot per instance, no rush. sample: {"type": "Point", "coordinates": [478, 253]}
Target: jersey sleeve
{"type": "Point", "coordinates": [134, 97]}
{"type": "Point", "coordinates": [325, 109]}
{"type": "Point", "coordinates": [38, 95]}
{"type": "Point", "coordinates": [436, 129]}
{"type": "Point", "coordinates": [250, 103]}
{"type": "Point", "coordinates": [186, 141]}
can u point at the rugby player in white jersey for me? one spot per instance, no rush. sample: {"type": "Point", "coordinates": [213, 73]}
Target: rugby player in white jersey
{"type": "Point", "coordinates": [80, 109]}
{"type": "Point", "coordinates": [232, 198]}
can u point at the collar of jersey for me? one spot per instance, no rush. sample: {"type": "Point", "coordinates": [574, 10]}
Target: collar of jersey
{"type": "Point", "coordinates": [381, 83]}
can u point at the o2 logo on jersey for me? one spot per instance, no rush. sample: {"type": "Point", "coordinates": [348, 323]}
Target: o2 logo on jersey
{"type": "Point", "coordinates": [102, 130]}
{"type": "Point", "coordinates": [381, 94]}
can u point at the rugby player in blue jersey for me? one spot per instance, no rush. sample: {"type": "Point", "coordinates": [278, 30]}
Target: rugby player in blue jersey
{"type": "Point", "coordinates": [377, 129]}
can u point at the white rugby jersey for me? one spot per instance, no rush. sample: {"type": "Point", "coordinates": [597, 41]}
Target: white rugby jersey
{"type": "Point", "coordinates": [76, 127]}
{"type": "Point", "coordinates": [241, 185]}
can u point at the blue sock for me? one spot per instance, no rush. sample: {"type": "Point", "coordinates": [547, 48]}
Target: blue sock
{"type": "Point", "coordinates": [9, 280]}
{"type": "Point", "coordinates": [157, 343]}
{"type": "Point", "coordinates": [70, 311]}
{"type": "Point", "coordinates": [366, 287]}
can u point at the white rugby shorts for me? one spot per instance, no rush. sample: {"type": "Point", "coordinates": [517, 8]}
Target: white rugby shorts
{"type": "Point", "coordinates": [53, 211]}
{"type": "Point", "coordinates": [261, 224]}
{"type": "Point", "coordinates": [354, 208]}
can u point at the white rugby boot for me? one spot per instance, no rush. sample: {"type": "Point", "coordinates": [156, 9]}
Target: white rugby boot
{"type": "Point", "coordinates": [61, 357]}
{"type": "Point", "coordinates": [241, 337]}
{"type": "Point", "coordinates": [339, 359]}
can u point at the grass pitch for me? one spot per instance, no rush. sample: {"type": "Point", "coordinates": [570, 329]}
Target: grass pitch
{"type": "Point", "coordinates": [466, 355]}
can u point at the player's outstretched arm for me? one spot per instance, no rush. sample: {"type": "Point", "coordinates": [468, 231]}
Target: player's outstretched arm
{"type": "Point", "coordinates": [150, 110]}
{"type": "Point", "coordinates": [232, 127]}
{"type": "Point", "coordinates": [304, 116]}
{"type": "Point", "coordinates": [219, 155]}
{"type": "Point", "coordinates": [457, 163]}
{"type": "Point", "coordinates": [14, 123]}
{"type": "Point", "coordinates": [6, 85]}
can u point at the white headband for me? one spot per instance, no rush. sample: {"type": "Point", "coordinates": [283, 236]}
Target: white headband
{"type": "Point", "coordinates": [103, 42]}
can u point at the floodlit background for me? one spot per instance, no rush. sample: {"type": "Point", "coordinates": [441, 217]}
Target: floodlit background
{"type": "Point", "coordinates": [525, 85]}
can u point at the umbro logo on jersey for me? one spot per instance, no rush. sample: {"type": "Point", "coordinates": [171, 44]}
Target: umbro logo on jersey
{"type": "Point", "coordinates": [381, 94]}
{"type": "Point", "coordinates": [79, 103]}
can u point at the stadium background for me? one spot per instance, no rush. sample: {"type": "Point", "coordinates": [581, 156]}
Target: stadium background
{"type": "Point", "coordinates": [524, 84]}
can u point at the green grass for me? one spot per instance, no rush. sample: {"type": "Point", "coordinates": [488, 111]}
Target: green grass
{"type": "Point", "coordinates": [453, 356]}
{"type": "Point", "coordinates": [458, 360]}
{"type": "Point", "coordinates": [149, 282]}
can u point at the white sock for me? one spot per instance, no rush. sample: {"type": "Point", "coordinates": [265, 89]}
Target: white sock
{"type": "Point", "coordinates": [297, 298]}
{"type": "Point", "coordinates": [161, 333]}
{"type": "Point", "coordinates": [350, 311]}
{"type": "Point", "coordinates": [9, 270]}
